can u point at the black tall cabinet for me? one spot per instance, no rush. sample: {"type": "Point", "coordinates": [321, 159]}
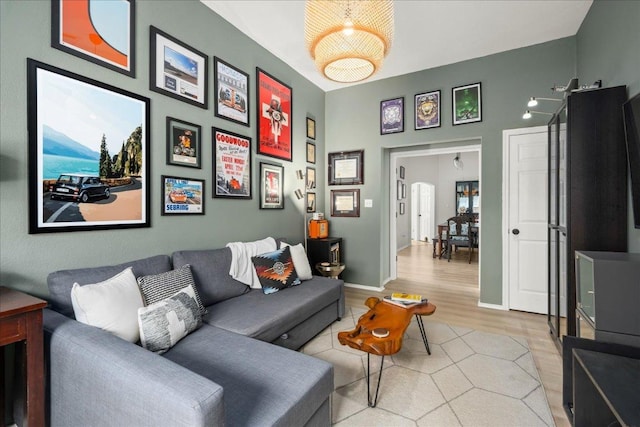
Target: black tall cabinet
{"type": "Point", "coordinates": [587, 192]}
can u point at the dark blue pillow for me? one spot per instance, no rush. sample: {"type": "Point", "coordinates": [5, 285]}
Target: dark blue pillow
{"type": "Point", "coordinates": [275, 270]}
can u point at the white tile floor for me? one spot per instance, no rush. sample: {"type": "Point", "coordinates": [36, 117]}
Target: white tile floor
{"type": "Point", "coordinates": [471, 378]}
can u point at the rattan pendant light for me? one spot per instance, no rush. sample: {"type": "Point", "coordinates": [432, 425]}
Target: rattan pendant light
{"type": "Point", "coordinates": [348, 40]}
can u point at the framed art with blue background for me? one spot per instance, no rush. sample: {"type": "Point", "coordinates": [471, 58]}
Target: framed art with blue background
{"type": "Point", "coordinates": [392, 116]}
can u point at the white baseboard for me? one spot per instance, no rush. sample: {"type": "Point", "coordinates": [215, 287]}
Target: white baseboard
{"type": "Point", "coordinates": [493, 306]}
{"type": "Point", "coordinates": [367, 288]}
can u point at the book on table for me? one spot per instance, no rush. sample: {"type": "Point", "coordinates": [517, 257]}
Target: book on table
{"type": "Point", "coordinates": [404, 297]}
{"type": "Point", "coordinates": [402, 304]}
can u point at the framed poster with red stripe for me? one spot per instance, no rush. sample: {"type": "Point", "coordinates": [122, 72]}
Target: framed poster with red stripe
{"type": "Point", "coordinates": [274, 102]}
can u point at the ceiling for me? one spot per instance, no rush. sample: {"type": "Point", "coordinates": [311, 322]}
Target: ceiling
{"type": "Point", "coordinates": [428, 33]}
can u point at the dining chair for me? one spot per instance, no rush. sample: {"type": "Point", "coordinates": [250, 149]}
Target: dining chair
{"type": "Point", "coordinates": [459, 234]}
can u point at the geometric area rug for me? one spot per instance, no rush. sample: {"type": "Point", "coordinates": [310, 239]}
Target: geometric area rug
{"type": "Point", "coordinates": [471, 378]}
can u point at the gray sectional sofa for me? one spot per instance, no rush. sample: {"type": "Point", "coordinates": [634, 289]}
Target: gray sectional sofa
{"type": "Point", "coordinates": [237, 369]}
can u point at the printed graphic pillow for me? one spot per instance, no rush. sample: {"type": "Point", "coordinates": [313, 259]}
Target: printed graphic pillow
{"type": "Point", "coordinates": [275, 270]}
{"type": "Point", "coordinates": [164, 323]}
{"type": "Point", "coordinates": [158, 287]}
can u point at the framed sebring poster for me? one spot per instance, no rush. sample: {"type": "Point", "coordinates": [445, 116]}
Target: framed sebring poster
{"type": "Point", "coordinates": [274, 116]}
{"type": "Point", "coordinates": [88, 161]}
{"type": "Point", "coordinates": [232, 165]}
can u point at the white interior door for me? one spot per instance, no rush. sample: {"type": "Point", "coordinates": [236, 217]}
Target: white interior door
{"type": "Point", "coordinates": [422, 211]}
{"type": "Point", "coordinates": [526, 254]}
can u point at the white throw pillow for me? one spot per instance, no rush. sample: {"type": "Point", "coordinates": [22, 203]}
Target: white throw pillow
{"type": "Point", "coordinates": [111, 305]}
{"type": "Point", "coordinates": [300, 260]}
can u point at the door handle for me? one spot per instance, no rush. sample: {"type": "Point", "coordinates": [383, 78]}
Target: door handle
{"type": "Point", "coordinates": [515, 231]}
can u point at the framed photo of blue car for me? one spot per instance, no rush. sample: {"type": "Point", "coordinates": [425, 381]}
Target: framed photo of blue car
{"type": "Point", "coordinates": [467, 104]}
{"type": "Point", "coordinates": [392, 116]}
{"type": "Point", "coordinates": [178, 70]}
{"type": "Point", "coordinates": [182, 196]}
{"type": "Point", "coordinates": [184, 143]}
{"type": "Point", "coordinates": [427, 110]}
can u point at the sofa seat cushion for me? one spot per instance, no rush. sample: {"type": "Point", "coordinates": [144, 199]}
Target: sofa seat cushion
{"type": "Point", "coordinates": [61, 282]}
{"type": "Point", "coordinates": [267, 317]}
{"type": "Point", "coordinates": [264, 385]}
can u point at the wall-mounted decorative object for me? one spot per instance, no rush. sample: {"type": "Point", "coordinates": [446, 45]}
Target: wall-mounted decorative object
{"type": "Point", "coordinates": [346, 168]}
{"type": "Point", "coordinates": [311, 152]}
{"type": "Point", "coordinates": [427, 110]}
{"type": "Point", "coordinates": [311, 178]}
{"type": "Point", "coordinates": [345, 203]}
{"type": "Point", "coordinates": [399, 189]}
{"type": "Point", "coordinates": [467, 104]}
{"type": "Point", "coordinates": [401, 208]}
{"type": "Point", "coordinates": [404, 190]}
{"type": "Point", "coordinates": [311, 128]}
{"type": "Point", "coordinates": [402, 172]}
{"type": "Point", "coordinates": [274, 107]}
{"type": "Point", "coordinates": [231, 92]}
{"type": "Point", "coordinates": [178, 70]}
{"type": "Point", "coordinates": [95, 146]}
{"type": "Point", "coordinates": [232, 165]}
{"type": "Point", "coordinates": [271, 186]}
{"type": "Point", "coordinates": [311, 202]}
{"type": "Point", "coordinates": [103, 33]}
{"type": "Point", "coordinates": [184, 143]}
{"type": "Point", "coordinates": [182, 196]}
{"type": "Point", "coordinates": [392, 116]}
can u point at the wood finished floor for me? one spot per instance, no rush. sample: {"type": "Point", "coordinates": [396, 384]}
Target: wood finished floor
{"type": "Point", "coordinates": [453, 288]}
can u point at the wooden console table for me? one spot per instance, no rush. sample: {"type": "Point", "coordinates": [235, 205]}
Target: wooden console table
{"type": "Point", "coordinates": [21, 320]}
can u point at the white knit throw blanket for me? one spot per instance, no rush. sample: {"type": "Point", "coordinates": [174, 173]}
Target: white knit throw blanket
{"type": "Point", "coordinates": [242, 268]}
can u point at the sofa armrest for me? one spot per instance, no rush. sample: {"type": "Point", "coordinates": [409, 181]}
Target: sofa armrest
{"type": "Point", "coordinates": [95, 378]}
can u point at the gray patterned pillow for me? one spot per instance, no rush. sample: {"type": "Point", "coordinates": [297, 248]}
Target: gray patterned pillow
{"type": "Point", "coordinates": [161, 286]}
{"type": "Point", "coordinates": [164, 323]}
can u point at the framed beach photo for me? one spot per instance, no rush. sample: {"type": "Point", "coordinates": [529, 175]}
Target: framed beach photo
{"type": "Point", "coordinates": [346, 168]}
{"type": "Point", "coordinates": [392, 116]}
{"type": "Point", "coordinates": [274, 107]}
{"type": "Point", "coordinates": [345, 203]}
{"type": "Point", "coordinates": [427, 110]}
{"type": "Point", "coordinates": [231, 92]}
{"type": "Point", "coordinates": [89, 161]}
{"type": "Point", "coordinates": [178, 70]}
{"type": "Point", "coordinates": [311, 152]}
{"type": "Point", "coordinates": [103, 33]}
{"type": "Point", "coordinates": [231, 165]}
{"type": "Point", "coordinates": [182, 196]}
{"type": "Point", "coordinates": [467, 104]}
{"type": "Point", "coordinates": [271, 186]}
{"type": "Point", "coordinates": [184, 143]}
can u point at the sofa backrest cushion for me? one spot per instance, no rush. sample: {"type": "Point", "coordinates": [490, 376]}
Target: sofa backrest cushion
{"type": "Point", "coordinates": [61, 282]}
{"type": "Point", "coordinates": [210, 269]}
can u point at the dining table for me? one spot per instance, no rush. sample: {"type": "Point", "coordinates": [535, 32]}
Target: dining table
{"type": "Point", "coordinates": [475, 231]}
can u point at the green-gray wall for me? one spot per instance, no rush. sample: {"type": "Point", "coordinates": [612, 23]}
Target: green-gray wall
{"type": "Point", "coordinates": [26, 32]}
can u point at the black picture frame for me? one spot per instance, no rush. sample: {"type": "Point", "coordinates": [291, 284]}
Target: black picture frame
{"type": "Point", "coordinates": [271, 186]}
{"type": "Point", "coordinates": [401, 208]}
{"type": "Point", "coordinates": [310, 178]}
{"type": "Point", "coordinates": [182, 196]}
{"type": "Point", "coordinates": [311, 202]}
{"type": "Point", "coordinates": [92, 46]}
{"type": "Point", "coordinates": [392, 116]}
{"type": "Point", "coordinates": [346, 168]}
{"type": "Point", "coordinates": [231, 165]}
{"type": "Point", "coordinates": [466, 101]}
{"type": "Point", "coordinates": [402, 171]}
{"type": "Point", "coordinates": [231, 92]}
{"type": "Point", "coordinates": [311, 152]}
{"type": "Point", "coordinates": [399, 189]}
{"type": "Point", "coordinates": [427, 110]}
{"type": "Point", "coordinates": [274, 110]}
{"type": "Point", "coordinates": [345, 203]}
{"type": "Point", "coordinates": [172, 80]}
{"type": "Point", "coordinates": [120, 116]}
{"type": "Point", "coordinates": [184, 143]}
{"type": "Point", "coordinates": [311, 128]}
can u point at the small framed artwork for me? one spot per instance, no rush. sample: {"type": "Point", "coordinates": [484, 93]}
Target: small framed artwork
{"type": "Point", "coordinates": [104, 35]}
{"type": "Point", "coordinates": [311, 178]}
{"type": "Point", "coordinates": [392, 116]}
{"type": "Point", "coordinates": [178, 70]}
{"type": "Point", "coordinates": [401, 172]}
{"type": "Point", "coordinates": [399, 189]}
{"type": "Point", "coordinates": [231, 92]}
{"type": "Point", "coordinates": [232, 165]}
{"type": "Point", "coordinates": [404, 191]}
{"type": "Point", "coordinates": [311, 152]}
{"type": "Point", "coordinates": [184, 145]}
{"type": "Point", "coordinates": [467, 104]}
{"type": "Point", "coordinates": [182, 196]}
{"type": "Point", "coordinates": [401, 208]}
{"type": "Point", "coordinates": [274, 108]}
{"type": "Point", "coordinates": [89, 177]}
{"type": "Point", "coordinates": [311, 202]}
{"type": "Point", "coordinates": [427, 110]}
{"type": "Point", "coordinates": [345, 203]}
{"type": "Point", "coordinates": [346, 168]}
{"type": "Point", "coordinates": [311, 128]}
{"type": "Point", "coordinates": [271, 186]}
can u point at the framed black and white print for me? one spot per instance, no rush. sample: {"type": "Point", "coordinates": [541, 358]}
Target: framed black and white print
{"type": "Point", "coordinates": [311, 178]}
{"type": "Point", "coordinates": [231, 92]}
{"type": "Point", "coordinates": [182, 196]}
{"type": "Point", "coordinates": [402, 172]}
{"type": "Point", "coordinates": [89, 161]}
{"type": "Point", "coordinates": [392, 116]}
{"type": "Point", "coordinates": [271, 186]}
{"type": "Point", "coordinates": [311, 152]}
{"type": "Point", "coordinates": [311, 202]}
{"type": "Point", "coordinates": [467, 104]}
{"type": "Point", "coordinates": [345, 203]}
{"type": "Point", "coordinates": [401, 208]}
{"type": "Point", "coordinates": [184, 143]}
{"type": "Point", "coordinates": [427, 110]}
{"type": "Point", "coordinates": [311, 128]}
{"type": "Point", "coordinates": [178, 70]}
